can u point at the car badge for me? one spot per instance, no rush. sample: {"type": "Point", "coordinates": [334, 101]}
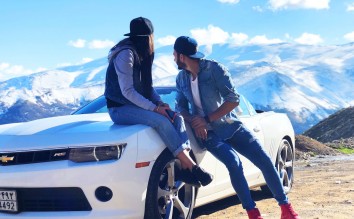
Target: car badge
{"type": "Point", "coordinates": [5, 158]}
{"type": "Point", "coordinates": [60, 154]}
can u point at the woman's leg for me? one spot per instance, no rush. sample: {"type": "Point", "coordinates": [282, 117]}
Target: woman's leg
{"type": "Point", "coordinates": [172, 134]}
{"type": "Point", "coordinates": [131, 115]}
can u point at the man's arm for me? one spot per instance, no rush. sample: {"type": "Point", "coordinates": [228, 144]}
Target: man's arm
{"type": "Point", "coordinates": [183, 107]}
{"type": "Point", "coordinates": [223, 82]}
{"type": "Point", "coordinates": [226, 87]}
{"type": "Point", "coordinates": [224, 109]}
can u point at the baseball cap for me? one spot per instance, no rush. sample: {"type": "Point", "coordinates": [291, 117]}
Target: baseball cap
{"type": "Point", "coordinates": [188, 46]}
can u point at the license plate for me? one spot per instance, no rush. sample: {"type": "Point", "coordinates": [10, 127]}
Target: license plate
{"type": "Point", "coordinates": [8, 200]}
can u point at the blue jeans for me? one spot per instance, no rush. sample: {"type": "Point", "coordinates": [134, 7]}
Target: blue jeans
{"type": "Point", "coordinates": [174, 134]}
{"type": "Point", "coordinates": [247, 145]}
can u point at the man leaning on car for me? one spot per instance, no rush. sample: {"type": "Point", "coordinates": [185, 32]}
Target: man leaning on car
{"type": "Point", "coordinates": [207, 86]}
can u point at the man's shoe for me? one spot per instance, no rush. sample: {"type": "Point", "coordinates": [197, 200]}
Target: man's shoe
{"type": "Point", "coordinates": [201, 175]}
{"type": "Point", "coordinates": [186, 176]}
{"type": "Point", "coordinates": [287, 212]}
{"type": "Point", "coordinates": [254, 214]}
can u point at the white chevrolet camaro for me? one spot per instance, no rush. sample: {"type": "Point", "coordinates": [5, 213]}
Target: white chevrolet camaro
{"type": "Point", "coordinates": [84, 166]}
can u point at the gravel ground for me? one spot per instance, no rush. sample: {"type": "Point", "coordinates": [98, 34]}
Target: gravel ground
{"type": "Point", "coordinates": [323, 188]}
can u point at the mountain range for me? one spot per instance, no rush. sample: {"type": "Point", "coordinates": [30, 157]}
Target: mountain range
{"type": "Point", "coordinates": [309, 83]}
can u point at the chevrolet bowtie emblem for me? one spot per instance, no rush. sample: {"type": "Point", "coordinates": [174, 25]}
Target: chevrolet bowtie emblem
{"type": "Point", "coordinates": [5, 158]}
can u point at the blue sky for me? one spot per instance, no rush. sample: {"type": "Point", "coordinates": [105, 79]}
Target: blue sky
{"type": "Point", "coordinates": [43, 34]}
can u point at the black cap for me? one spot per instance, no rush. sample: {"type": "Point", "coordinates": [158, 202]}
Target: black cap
{"type": "Point", "coordinates": [140, 27]}
{"type": "Point", "coordinates": [188, 46]}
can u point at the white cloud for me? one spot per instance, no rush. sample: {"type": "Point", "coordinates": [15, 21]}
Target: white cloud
{"type": "Point", "coordinates": [229, 1]}
{"type": "Point", "coordinates": [349, 36]}
{"type": "Point", "coordinates": [257, 8]}
{"type": "Point", "coordinates": [79, 43]}
{"type": "Point", "coordinates": [94, 44]}
{"type": "Point", "coordinates": [4, 66]}
{"type": "Point", "coordinates": [83, 61]}
{"type": "Point", "coordinates": [295, 4]}
{"type": "Point", "coordinates": [309, 39]}
{"type": "Point", "coordinates": [64, 64]}
{"type": "Point", "coordinates": [8, 71]}
{"type": "Point", "coordinates": [215, 35]}
{"type": "Point", "coordinates": [101, 44]}
{"type": "Point", "coordinates": [166, 41]}
{"type": "Point", "coordinates": [263, 40]}
{"type": "Point", "coordinates": [287, 36]}
{"type": "Point", "coordinates": [237, 39]}
{"type": "Point", "coordinates": [211, 35]}
{"type": "Point", "coordinates": [350, 7]}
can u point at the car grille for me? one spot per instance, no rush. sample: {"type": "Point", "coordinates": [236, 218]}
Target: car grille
{"type": "Point", "coordinates": [26, 157]}
{"type": "Point", "coordinates": [52, 199]}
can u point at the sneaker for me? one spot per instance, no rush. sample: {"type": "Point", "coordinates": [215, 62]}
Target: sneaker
{"type": "Point", "coordinates": [287, 212]}
{"type": "Point", "coordinates": [201, 175]}
{"type": "Point", "coordinates": [254, 214]}
{"type": "Point", "coordinates": [186, 176]}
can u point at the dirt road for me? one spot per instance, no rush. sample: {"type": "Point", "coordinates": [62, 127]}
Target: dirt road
{"type": "Point", "coordinates": [323, 188]}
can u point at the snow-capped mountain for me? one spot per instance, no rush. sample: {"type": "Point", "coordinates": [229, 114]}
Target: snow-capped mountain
{"type": "Point", "coordinates": [307, 82]}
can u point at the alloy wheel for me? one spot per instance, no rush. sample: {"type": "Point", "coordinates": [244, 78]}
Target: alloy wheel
{"type": "Point", "coordinates": [175, 198]}
{"type": "Point", "coordinates": [285, 165]}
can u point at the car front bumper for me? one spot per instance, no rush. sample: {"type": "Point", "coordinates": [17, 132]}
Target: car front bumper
{"type": "Point", "coordinates": [127, 183]}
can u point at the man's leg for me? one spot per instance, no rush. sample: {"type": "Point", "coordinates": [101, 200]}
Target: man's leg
{"type": "Point", "coordinates": [228, 156]}
{"type": "Point", "coordinates": [246, 144]}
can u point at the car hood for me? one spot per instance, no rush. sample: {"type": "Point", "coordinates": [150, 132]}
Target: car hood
{"type": "Point", "coordinates": [65, 131]}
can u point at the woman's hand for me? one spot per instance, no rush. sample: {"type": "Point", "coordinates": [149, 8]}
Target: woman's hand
{"type": "Point", "coordinates": [160, 103]}
{"type": "Point", "coordinates": [161, 109]}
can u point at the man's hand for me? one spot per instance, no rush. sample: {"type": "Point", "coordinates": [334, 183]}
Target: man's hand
{"type": "Point", "coordinates": [198, 122]}
{"type": "Point", "coordinates": [201, 133]}
{"type": "Point", "coordinates": [200, 127]}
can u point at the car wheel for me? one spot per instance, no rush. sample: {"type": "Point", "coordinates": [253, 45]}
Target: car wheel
{"type": "Point", "coordinates": [168, 197]}
{"type": "Point", "coordinates": [285, 166]}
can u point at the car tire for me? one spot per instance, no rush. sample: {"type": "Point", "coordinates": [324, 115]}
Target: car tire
{"type": "Point", "coordinates": [284, 165]}
{"type": "Point", "coordinates": [166, 196]}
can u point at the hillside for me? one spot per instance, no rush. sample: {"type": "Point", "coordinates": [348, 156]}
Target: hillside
{"type": "Point", "coordinates": [307, 147]}
{"type": "Point", "coordinates": [339, 125]}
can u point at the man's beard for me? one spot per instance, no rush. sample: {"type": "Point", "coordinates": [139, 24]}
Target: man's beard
{"type": "Point", "coordinates": [180, 65]}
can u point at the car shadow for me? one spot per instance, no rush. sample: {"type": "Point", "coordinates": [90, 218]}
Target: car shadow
{"type": "Point", "coordinates": [227, 202]}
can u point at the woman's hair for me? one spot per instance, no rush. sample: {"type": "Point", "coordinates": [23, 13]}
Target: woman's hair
{"type": "Point", "coordinates": [144, 45]}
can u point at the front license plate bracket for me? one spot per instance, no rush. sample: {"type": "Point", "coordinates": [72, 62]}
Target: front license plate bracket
{"type": "Point", "coordinates": [8, 201]}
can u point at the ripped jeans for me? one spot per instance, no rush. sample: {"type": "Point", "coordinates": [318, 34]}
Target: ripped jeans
{"type": "Point", "coordinates": [247, 145]}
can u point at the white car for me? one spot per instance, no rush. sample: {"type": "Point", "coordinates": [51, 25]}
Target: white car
{"type": "Point", "coordinates": [84, 166]}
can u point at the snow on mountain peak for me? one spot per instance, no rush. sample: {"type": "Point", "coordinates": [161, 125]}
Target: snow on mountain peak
{"type": "Point", "coordinates": [306, 82]}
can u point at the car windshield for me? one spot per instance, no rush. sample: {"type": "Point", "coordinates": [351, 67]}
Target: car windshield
{"type": "Point", "coordinates": [168, 95]}
{"type": "Point", "coordinates": [98, 105]}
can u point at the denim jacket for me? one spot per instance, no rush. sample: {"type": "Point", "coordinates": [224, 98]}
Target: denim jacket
{"type": "Point", "coordinates": [215, 87]}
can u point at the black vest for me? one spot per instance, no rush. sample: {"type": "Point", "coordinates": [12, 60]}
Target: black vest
{"type": "Point", "coordinates": [112, 91]}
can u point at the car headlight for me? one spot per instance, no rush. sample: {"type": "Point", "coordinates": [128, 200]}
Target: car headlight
{"type": "Point", "coordinates": [96, 153]}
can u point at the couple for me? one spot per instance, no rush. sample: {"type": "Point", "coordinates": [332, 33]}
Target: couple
{"type": "Point", "coordinates": [204, 85]}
